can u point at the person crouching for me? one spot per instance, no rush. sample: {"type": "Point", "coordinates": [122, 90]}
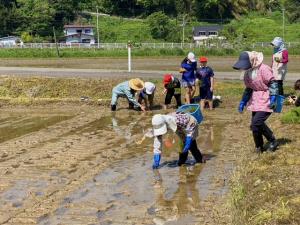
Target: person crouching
{"type": "Point", "coordinates": [147, 95]}
{"type": "Point", "coordinates": [127, 90]}
{"type": "Point", "coordinates": [185, 126]}
{"type": "Point", "coordinates": [172, 87]}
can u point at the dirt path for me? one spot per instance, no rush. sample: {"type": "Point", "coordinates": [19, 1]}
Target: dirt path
{"type": "Point", "coordinates": [84, 167]}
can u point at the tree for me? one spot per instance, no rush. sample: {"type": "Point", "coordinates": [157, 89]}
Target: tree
{"type": "Point", "coordinates": [7, 16]}
{"type": "Point", "coordinates": [293, 10]}
{"type": "Point", "coordinates": [159, 24]}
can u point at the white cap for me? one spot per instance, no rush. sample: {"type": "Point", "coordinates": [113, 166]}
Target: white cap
{"type": "Point", "coordinates": [150, 88]}
{"type": "Point", "coordinates": [161, 123]}
{"type": "Point", "coordinates": [191, 57]}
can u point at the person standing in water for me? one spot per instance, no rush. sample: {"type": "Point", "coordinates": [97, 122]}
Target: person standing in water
{"type": "Point", "coordinates": [185, 126]}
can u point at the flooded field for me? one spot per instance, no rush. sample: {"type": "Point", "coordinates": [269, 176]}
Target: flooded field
{"type": "Point", "coordinates": [83, 166]}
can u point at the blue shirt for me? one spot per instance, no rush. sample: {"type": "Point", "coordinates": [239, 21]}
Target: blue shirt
{"type": "Point", "coordinates": [204, 74]}
{"type": "Point", "coordinates": [189, 74]}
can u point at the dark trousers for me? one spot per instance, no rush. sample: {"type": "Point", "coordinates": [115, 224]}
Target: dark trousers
{"type": "Point", "coordinates": [195, 152]}
{"type": "Point", "coordinates": [260, 129]}
{"type": "Point", "coordinates": [170, 94]}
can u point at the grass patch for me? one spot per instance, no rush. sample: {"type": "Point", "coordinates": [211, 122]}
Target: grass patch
{"type": "Point", "coordinates": [265, 189]}
{"type": "Point", "coordinates": [292, 116]}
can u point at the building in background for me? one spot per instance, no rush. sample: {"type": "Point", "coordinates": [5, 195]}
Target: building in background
{"type": "Point", "coordinates": [203, 34]}
{"type": "Point", "coordinates": [79, 34]}
{"type": "Point", "coordinates": [11, 41]}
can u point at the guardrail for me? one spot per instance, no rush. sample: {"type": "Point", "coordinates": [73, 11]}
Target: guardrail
{"type": "Point", "coordinates": [166, 45]}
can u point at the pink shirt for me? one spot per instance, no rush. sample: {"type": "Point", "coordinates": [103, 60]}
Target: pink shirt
{"type": "Point", "coordinates": [260, 99]}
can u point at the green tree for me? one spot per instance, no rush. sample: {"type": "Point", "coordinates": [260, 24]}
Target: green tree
{"type": "Point", "coordinates": [159, 24]}
{"type": "Point", "coordinates": [293, 10]}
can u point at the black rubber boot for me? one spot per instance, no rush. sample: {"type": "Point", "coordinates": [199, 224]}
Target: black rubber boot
{"type": "Point", "coordinates": [182, 158]}
{"type": "Point", "coordinates": [270, 137]}
{"type": "Point", "coordinates": [113, 107]}
{"type": "Point", "coordinates": [259, 141]}
{"type": "Point", "coordinates": [196, 152]}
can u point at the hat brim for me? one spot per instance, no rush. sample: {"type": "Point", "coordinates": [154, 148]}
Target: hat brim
{"type": "Point", "coordinates": [160, 131]}
{"type": "Point", "coordinates": [241, 65]}
{"type": "Point", "coordinates": [193, 60]}
{"type": "Point", "coordinates": [134, 87]}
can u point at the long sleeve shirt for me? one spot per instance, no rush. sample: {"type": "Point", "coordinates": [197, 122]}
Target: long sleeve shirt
{"type": "Point", "coordinates": [187, 126]}
{"type": "Point", "coordinates": [279, 64]}
{"type": "Point", "coordinates": [124, 90]}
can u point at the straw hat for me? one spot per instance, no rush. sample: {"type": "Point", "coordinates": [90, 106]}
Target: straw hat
{"type": "Point", "coordinates": [136, 84]}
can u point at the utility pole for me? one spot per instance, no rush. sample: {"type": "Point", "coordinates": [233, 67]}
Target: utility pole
{"type": "Point", "coordinates": [57, 50]}
{"type": "Point", "coordinates": [183, 26]}
{"type": "Point", "coordinates": [98, 37]}
{"type": "Point", "coordinates": [283, 23]}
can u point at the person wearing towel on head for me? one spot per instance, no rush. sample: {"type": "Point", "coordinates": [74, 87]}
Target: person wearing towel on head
{"type": "Point", "coordinates": [127, 90]}
{"type": "Point", "coordinates": [185, 126]}
{"type": "Point", "coordinates": [147, 95]}
{"type": "Point", "coordinates": [279, 62]}
{"type": "Point", "coordinates": [259, 96]}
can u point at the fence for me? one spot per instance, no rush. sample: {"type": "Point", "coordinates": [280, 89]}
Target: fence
{"type": "Point", "coordinates": [165, 45]}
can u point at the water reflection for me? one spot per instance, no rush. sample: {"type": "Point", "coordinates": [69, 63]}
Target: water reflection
{"type": "Point", "coordinates": [185, 200]}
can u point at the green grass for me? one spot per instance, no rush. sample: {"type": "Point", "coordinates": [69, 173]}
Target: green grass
{"type": "Point", "coordinates": [292, 116]}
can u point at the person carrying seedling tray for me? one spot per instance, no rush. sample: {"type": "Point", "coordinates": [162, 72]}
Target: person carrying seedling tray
{"type": "Point", "coordinates": [259, 96]}
{"type": "Point", "coordinates": [172, 87]}
{"type": "Point", "coordinates": [185, 126]}
{"type": "Point", "coordinates": [205, 75]}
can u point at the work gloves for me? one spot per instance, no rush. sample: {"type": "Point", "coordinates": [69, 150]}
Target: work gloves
{"type": "Point", "coordinates": [242, 106]}
{"type": "Point", "coordinates": [246, 97]}
{"type": "Point", "coordinates": [156, 161]}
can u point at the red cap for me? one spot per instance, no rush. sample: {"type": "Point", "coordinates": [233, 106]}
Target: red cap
{"type": "Point", "coordinates": [203, 59]}
{"type": "Point", "coordinates": [167, 78]}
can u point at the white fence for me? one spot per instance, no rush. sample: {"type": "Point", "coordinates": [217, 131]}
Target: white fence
{"type": "Point", "coordinates": [140, 45]}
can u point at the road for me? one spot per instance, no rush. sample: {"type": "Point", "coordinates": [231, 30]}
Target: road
{"type": "Point", "coordinates": [104, 73]}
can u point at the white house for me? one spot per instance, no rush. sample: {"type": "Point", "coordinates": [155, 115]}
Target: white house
{"type": "Point", "coordinates": [203, 33]}
{"type": "Point", "coordinates": [11, 41]}
{"type": "Point", "coordinates": [79, 34]}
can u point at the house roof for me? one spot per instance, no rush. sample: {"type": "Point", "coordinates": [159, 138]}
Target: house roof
{"type": "Point", "coordinates": [79, 35]}
{"type": "Point", "coordinates": [78, 26]}
{"type": "Point", "coordinates": [209, 28]}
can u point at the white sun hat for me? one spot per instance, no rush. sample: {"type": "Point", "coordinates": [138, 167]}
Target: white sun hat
{"type": "Point", "coordinates": [150, 88]}
{"type": "Point", "coordinates": [161, 123]}
{"type": "Point", "coordinates": [191, 57]}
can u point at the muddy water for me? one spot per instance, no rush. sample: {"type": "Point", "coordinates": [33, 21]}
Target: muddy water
{"type": "Point", "coordinates": [18, 125]}
{"type": "Point", "coordinates": [130, 192]}
{"type": "Point", "coordinates": [86, 168]}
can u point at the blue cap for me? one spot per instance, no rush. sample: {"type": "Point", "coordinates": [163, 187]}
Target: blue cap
{"type": "Point", "coordinates": [243, 63]}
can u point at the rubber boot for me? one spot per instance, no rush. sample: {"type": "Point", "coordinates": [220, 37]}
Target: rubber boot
{"type": "Point", "coordinates": [113, 107]}
{"type": "Point", "coordinates": [259, 141]}
{"type": "Point", "coordinates": [182, 158]}
{"type": "Point", "coordinates": [266, 131]}
{"type": "Point", "coordinates": [196, 152]}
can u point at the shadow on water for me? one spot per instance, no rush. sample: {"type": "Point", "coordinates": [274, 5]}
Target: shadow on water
{"type": "Point", "coordinates": [130, 191]}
